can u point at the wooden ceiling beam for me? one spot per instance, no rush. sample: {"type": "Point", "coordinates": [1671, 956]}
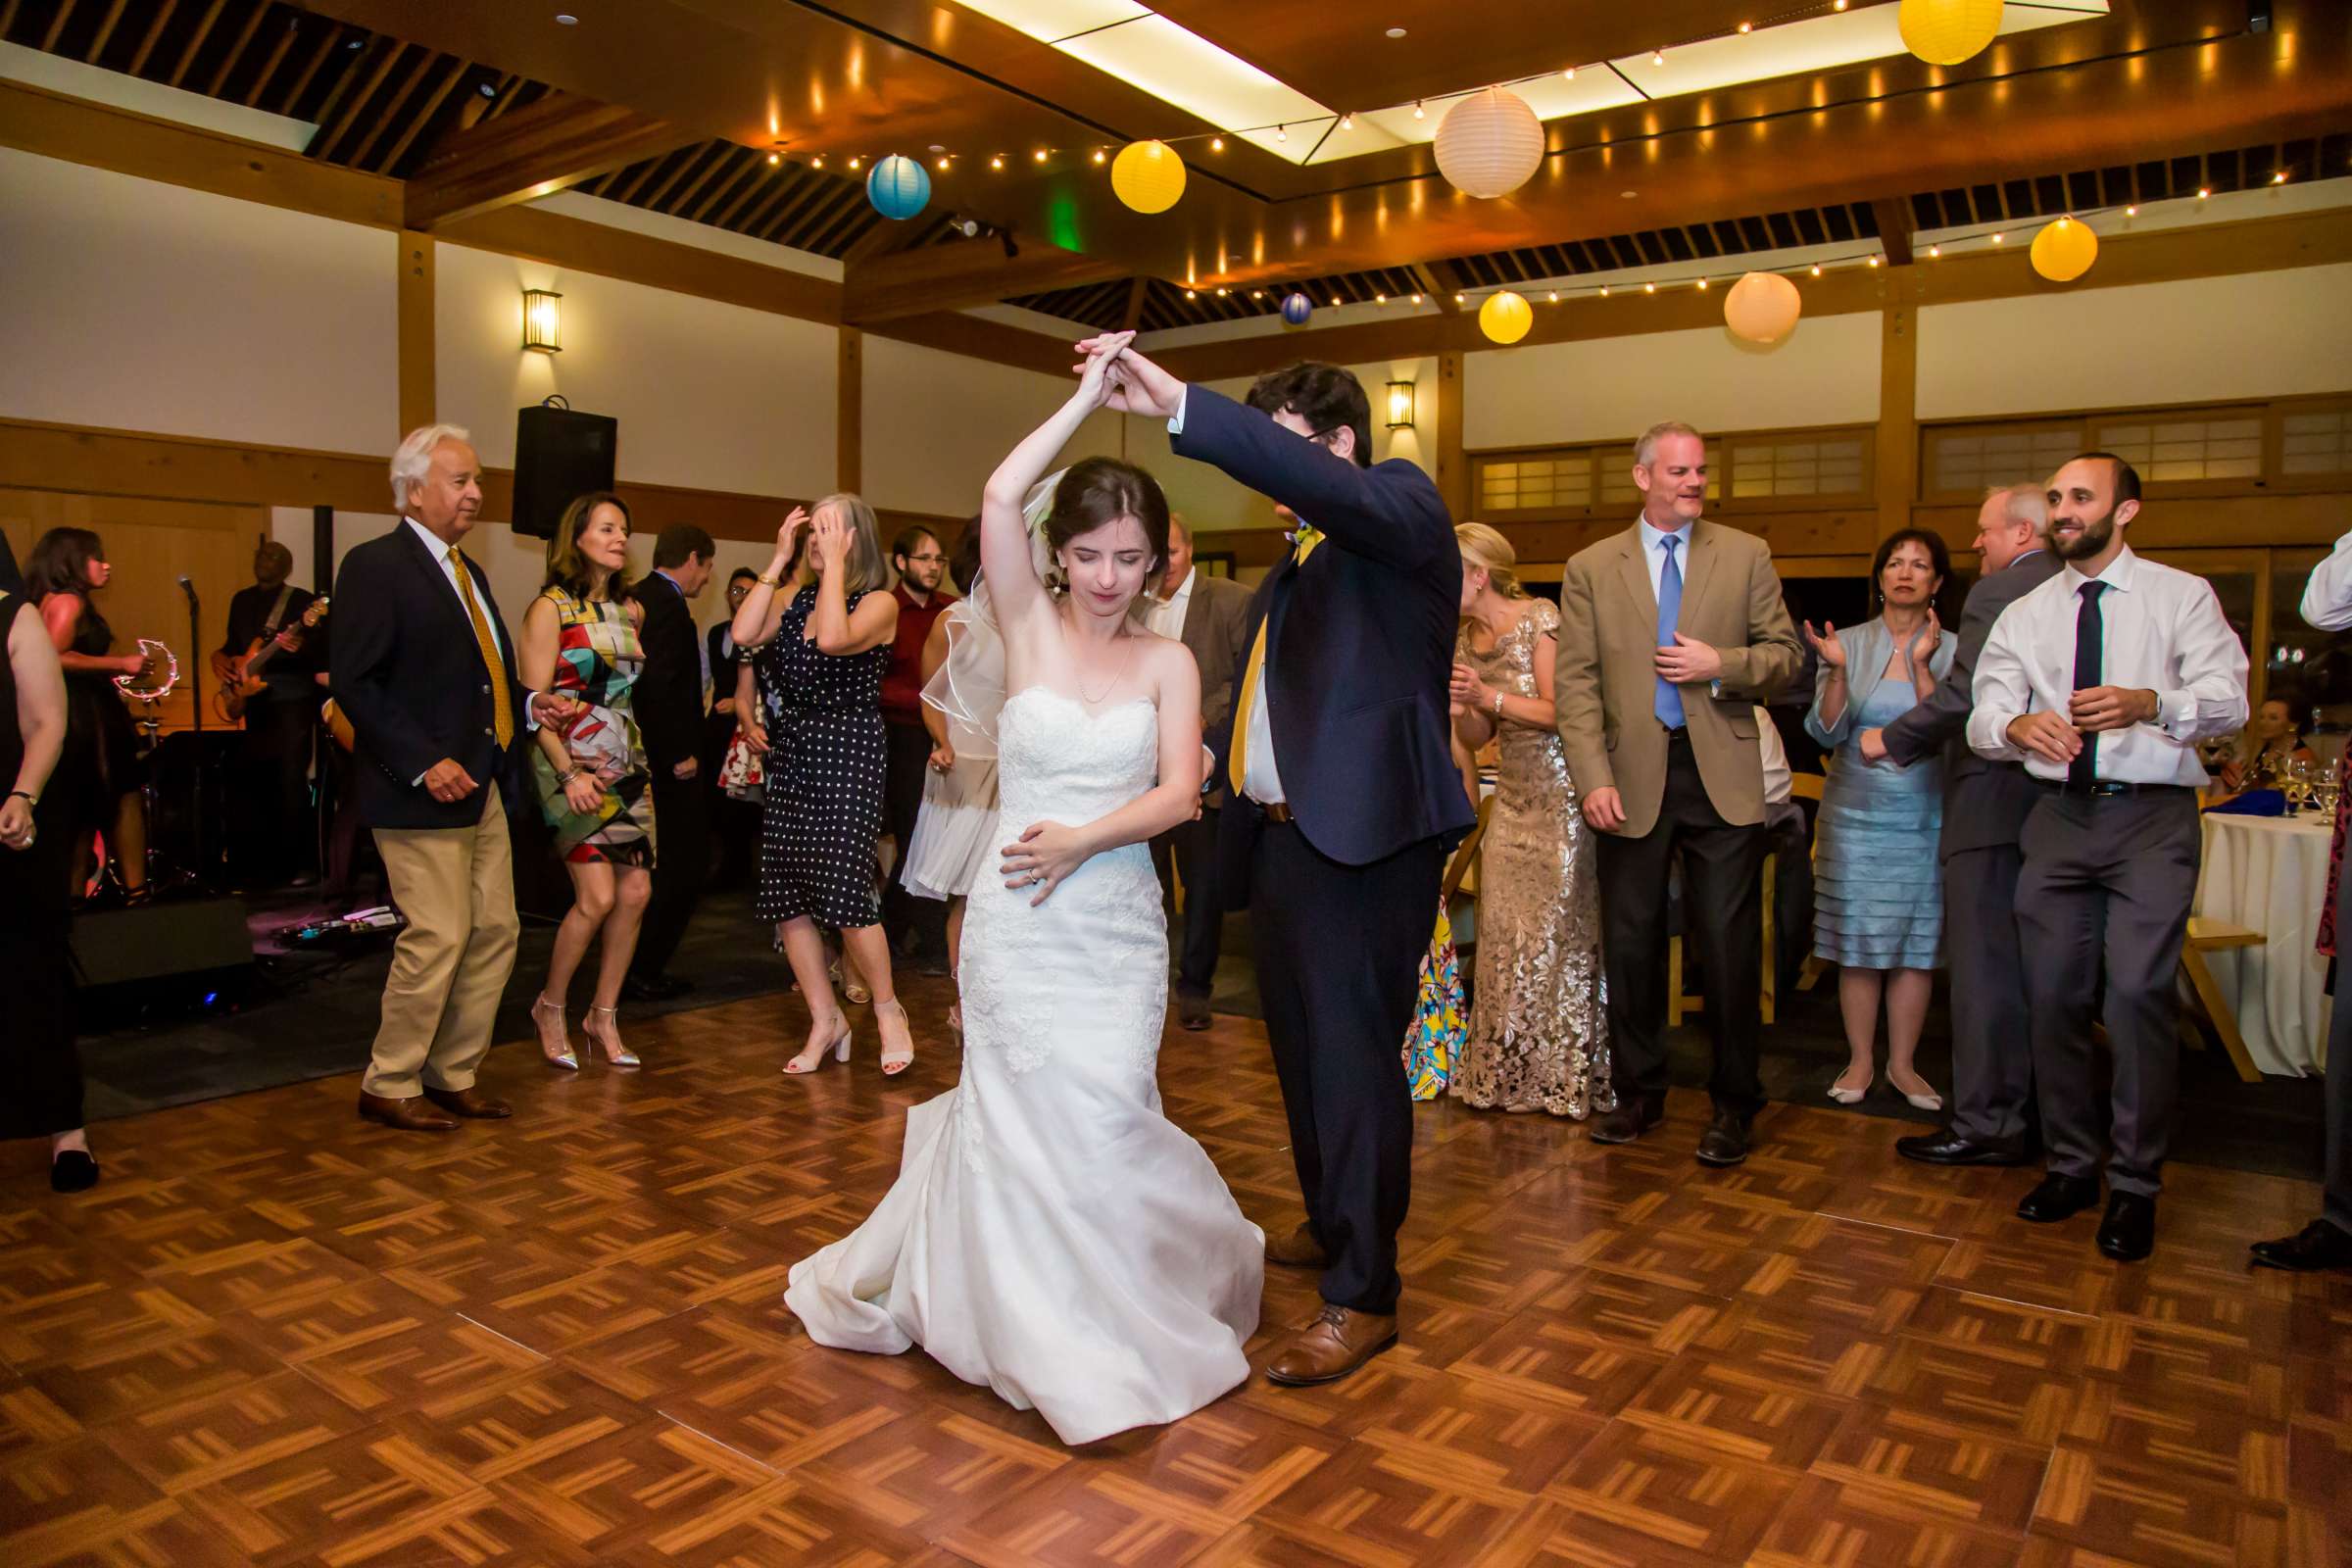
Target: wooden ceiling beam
{"type": "Point", "coordinates": [154, 31]}
{"type": "Point", "coordinates": [1896, 227]}
{"type": "Point", "coordinates": [550, 146]}
{"type": "Point", "coordinates": [204, 31]}
{"type": "Point", "coordinates": [458, 69]}
{"type": "Point", "coordinates": [948, 277]}
{"type": "Point", "coordinates": [236, 50]}
{"type": "Point", "coordinates": [1441, 282]}
{"type": "Point", "coordinates": [105, 32]}
{"type": "Point", "coordinates": [1138, 291]}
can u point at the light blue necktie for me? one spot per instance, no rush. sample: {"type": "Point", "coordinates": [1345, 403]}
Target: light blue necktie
{"type": "Point", "coordinates": [1668, 702]}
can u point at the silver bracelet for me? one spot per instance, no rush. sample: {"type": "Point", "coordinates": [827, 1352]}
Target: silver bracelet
{"type": "Point", "coordinates": [1499, 702]}
{"type": "Point", "coordinates": [563, 781]}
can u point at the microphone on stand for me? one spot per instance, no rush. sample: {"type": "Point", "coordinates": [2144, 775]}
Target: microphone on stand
{"type": "Point", "coordinates": [188, 588]}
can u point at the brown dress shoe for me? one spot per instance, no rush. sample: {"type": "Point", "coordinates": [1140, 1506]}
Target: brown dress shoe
{"type": "Point", "coordinates": [409, 1115]}
{"type": "Point", "coordinates": [1336, 1343]}
{"type": "Point", "coordinates": [468, 1102]}
{"type": "Point", "coordinates": [1298, 1249]}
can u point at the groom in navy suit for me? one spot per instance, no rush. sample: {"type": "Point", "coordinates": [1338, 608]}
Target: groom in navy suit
{"type": "Point", "coordinates": [1345, 802]}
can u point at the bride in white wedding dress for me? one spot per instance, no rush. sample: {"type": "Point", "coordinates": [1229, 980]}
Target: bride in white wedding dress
{"type": "Point", "coordinates": [1051, 1234]}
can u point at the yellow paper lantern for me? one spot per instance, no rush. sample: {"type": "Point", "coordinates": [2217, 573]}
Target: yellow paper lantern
{"type": "Point", "coordinates": [2064, 250]}
{"type": "Point", "coordinates": [1944, 32]}
{"type": "Point", "coordinates": [1762, 307]}
{"type": "Point", "coordinates": [1490, 143]}
{"type": "Point", "coordinates": [1505, 317]}
{"type": "Point", "coordinates": [1147, 176]}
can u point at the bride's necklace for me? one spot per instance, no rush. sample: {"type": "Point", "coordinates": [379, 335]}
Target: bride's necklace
{"type": "Point", "coordinates": [1090, 699]}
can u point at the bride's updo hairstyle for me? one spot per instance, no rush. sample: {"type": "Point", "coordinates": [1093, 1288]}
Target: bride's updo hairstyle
{"type": "Point", "coordinates": [1095, 491]}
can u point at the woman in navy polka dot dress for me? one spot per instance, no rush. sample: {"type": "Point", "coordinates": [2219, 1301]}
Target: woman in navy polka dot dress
{"type": "Point", "coordinates": [819, 661]}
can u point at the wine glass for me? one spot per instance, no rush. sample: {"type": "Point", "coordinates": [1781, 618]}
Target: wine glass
{"type": "Point", "coordinates": [2296, 781]}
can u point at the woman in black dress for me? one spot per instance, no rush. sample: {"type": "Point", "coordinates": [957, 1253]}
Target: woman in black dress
{"type": "Point", "coordinates": [99, 777]}
{"type": "Point", "coordinates": [40, 1073]}
{"type": "Point", "coordinates": [819, 661]}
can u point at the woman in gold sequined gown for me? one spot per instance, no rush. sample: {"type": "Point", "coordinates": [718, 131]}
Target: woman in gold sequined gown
{"type": "Point", "coordinates": [1539, 1030]}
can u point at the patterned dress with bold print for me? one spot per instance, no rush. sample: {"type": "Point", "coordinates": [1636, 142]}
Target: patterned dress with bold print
{"type": "Point", "coordinates": [598, 658]}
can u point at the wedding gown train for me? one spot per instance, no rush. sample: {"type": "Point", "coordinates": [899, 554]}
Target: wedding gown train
{"type": "Point", "coordinates": [1051, 1234]}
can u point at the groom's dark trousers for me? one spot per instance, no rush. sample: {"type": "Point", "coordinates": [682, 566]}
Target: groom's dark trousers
{"type": "Point", "coordinates": [1341, 880]}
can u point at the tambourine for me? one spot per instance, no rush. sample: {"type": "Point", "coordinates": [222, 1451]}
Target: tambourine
{"type": "Point", "coordinates": [163, 675]}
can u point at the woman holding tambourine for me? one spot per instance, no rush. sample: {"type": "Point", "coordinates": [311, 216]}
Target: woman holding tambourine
{"type": "Point", "coordinates": [98, 779]}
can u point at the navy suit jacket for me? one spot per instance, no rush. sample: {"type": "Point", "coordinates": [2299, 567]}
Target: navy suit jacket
{"type": "Point", "coordinates": [406, 671]}
{"type": "Point", "coordinates": [667, 698]}
{"type": "Point", "coordinates": [1359, 643]}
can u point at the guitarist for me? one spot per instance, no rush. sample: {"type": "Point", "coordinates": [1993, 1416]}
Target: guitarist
{"type": "Point", "coordinates": [273, 842]}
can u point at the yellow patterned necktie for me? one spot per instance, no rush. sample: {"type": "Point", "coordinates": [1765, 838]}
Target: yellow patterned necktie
{"type": "Point", "coordinates": [502, 701]}
{"type": "Point", "coordinates": [1302, 545]}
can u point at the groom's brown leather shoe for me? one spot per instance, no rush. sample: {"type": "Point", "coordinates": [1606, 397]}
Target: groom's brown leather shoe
{"type": "Point", "coordinates": [1298, 1249]}
{"type": "Point", "coordinates": [1336, 1343]}
{"type": "Point", "coordinates": [409, 1115]}
{"type": "Point", "coordinates": [468, 1102]}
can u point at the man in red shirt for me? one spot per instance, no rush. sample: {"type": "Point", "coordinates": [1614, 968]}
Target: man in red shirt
{"type": "Point", "coordinates": [917, 927]}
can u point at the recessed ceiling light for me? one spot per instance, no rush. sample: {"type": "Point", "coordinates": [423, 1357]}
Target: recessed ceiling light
{"type": "Point", "coordinates": [1396, 33]}
{"type": "Point", "coordinates": [489, 90]}
{"type": "Point", "coordinates": [937, 148]}
{"type": "Point", "coordinates": [355, 44]}
{"type": "Point", "coordinates": [564, 19]}
{"type": "Point", "coordinates": [1628, 195]}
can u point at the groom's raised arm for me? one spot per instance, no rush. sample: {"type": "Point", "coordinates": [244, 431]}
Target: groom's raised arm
{"type": "Point", "coordinates": [1391, 512]}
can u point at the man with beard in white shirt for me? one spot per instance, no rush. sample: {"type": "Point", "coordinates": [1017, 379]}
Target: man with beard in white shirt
{"type": "Point", "coordinates": [2102, 683]}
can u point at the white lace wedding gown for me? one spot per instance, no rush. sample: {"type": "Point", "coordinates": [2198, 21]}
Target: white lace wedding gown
{"type": "Point", "coordinates": [1051, 1234]}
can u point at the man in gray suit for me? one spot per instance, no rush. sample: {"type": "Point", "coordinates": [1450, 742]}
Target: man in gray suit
{"type": "Point", "coordinates": [1209, 615]}
{"type": "Point", "coordinates": [1985, 807]}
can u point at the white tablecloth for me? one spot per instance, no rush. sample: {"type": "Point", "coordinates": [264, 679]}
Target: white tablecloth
{"type": "Point", "coordinates": [2269, 874]}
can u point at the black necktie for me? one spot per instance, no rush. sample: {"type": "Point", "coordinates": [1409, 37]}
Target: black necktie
{"type": "Point", "coordinates": [2089, 641]}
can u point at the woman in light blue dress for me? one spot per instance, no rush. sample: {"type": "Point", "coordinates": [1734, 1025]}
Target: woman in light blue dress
{"type": "Point", "coordinates": [1877, 884]}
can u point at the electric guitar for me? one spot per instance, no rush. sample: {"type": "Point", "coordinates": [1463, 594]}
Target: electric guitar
{"type": "Point", "coordinates": [240, 678]}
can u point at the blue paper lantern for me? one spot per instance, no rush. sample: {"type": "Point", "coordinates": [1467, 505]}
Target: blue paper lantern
{"type": "Point", "coordinates": [897, 188]}
{"type": "Point", "coordinates": [1296, 309]}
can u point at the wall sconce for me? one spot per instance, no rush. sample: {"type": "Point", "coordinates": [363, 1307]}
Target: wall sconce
{"type": "Point", "coordinates": [543, 320]}
{"type": "Point", "coordinates": [1401, 404]}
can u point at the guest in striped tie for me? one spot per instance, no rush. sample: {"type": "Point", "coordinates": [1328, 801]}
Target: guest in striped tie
{"type": "Point", "coordinates": [424, 670]}
{"type": "Point", "coordinates": [2102, 683]}
{"type": "Point", "coordinates": [1670, 633]}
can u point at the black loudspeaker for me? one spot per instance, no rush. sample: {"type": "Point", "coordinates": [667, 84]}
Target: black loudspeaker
{"type": "Point", "coordinates": [165, 957]}
{"type": "Point", "coordinates": [559, 456]}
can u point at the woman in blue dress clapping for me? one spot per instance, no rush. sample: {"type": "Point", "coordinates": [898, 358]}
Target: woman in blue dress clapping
{"type": "Point", "coordinates": [1878, 883]}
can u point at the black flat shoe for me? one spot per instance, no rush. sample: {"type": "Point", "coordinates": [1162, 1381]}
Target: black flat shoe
{"type": "Point", "coordinates": [1948, 1147]}
{"type": "Point", "coordinates": [72, 1171]}
{"type": "Point", "coordinates": [2318, 1245]}
{"type": "Point", "coordinates": [1630, 1120]}
{"type": "Point", "coordinates": [2058, 1197]}
{"type": "Point", "coordinates": [1725, 1142]}
{"type": "Point", "coordinates": [2128, 1232]}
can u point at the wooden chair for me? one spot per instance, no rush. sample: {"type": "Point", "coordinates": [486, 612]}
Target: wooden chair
{"type": "Point", "coordinates": [1678, 1003]}
{"type": "Point", "coordinates": [2218, 935]}
{"type": "Point", "coordinates": [1808, 787]}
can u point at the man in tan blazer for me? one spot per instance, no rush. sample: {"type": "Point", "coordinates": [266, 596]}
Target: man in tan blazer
{"type": "Point", "coordinates": [1670, 632]}
{"type": "Point", "coordinates": [1211, 617]}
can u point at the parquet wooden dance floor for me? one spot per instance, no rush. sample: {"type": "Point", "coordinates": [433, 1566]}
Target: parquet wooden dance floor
{"type": "Point", "coordinates": [276, 1335]}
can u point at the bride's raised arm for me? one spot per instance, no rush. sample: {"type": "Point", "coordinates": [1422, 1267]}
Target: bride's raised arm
{"type": "Point", "coordinates": [1005, 564]}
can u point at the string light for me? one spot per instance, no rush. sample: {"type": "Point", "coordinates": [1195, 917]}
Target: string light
{"type": "Point", "coordinates": [1874, 261]}
{"type": "Point", "coordinates": [1569, 74]}
{"type": "Point", "coordinates": [1658, 57]}
{"type": "Point", "coordinates": [1282, 134]}
{"type": "Point", "coordinates": [1416, 298]}
{"type": "Point", "coordinates": [1380, 299]}
{"type": "Point", "coordinates": [1702, 282]}
{"type": "Point", "coordinates": [1604, 291]}
{"type": "Point", "coordinates": [1098, 155]}
{"type": "Point", "coordinates": [1348, 121]}
{"type": "Point", "coordinates": [1216, 144]}
{"type": "Point", "coordinates": [819, 162]}
{"type": "Point", "coordinates": [1220, 293]}
{"type": "Point", "coordinates": [1040, 154]}
{"type": "Point", "coordinates": [2000, 239]}
{"type": "Point", "coordinates": [1190, 295]}
{"type": "Point", "coordinates": [2279, 179]}
{"type": "Point", "coordinates": [1649, 288]}
{"type": "Point", "coordinates": [1934, 250]}
{"type": "Point", "coordinates": [1838, 5]}
{"type": "Point", "coordinates": [1458, 298]}
{"type": "Point", "coordinates": [1419, 113]}
{"type": "Point", "coordinates": [1258, 293]}
{"type": "Point", "coordinates": [2204, 191]}
{"type": "Point", "coordinates": [997, 162]}
{"type": "Point", "coordinates": [1747, 27]}
{"type": "Point", "coordinates": [2132, 212]}
{"type": "Point", "coordinates": [854, 161]}
{"type": "Point", "coordinates": [943, 164]}
{"type": "Point", "coordinates": [1816, 268]}
{"type": "Point", "coordinates": [1555, 296]}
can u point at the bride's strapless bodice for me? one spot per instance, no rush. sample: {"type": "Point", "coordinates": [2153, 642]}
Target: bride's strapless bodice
{"type": "Point", "coordinates": [1059, 760]}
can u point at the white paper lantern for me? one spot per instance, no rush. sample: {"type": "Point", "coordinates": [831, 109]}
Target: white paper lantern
{"type": "Point", "coordinates": [1490, 143]}
{"type": "Point", "coordinates": [1762, 307]}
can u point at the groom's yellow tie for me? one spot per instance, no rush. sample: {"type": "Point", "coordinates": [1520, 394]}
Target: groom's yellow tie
{"type": "Point", "coordinates": [1302, 545]}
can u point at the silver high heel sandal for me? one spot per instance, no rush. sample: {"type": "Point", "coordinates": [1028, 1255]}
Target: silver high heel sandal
{"type": "Point", "coordinates": [839, 1048]}
{"type": "Point", "coordinates": [564, 1059]}
{"type": "Point", "coordinates": [615, 1053]}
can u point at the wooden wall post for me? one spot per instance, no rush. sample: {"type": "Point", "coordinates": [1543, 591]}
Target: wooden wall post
{"type": "Point", "coordinates": [1897, 465]}
{"type": "Point", "coordinates": [1453, 468]}
{"type": "Point", "coordinates": [849, 420]}
{"type": "Point", "coordinates": [415, 333]}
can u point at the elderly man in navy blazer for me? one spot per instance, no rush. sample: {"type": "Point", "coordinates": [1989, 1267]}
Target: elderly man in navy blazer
{"type": "Point", "coordinates": [1345, 802]}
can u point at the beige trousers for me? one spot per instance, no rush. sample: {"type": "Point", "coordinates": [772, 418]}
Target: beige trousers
{"type": "Point", "coordinates": [456, 888]}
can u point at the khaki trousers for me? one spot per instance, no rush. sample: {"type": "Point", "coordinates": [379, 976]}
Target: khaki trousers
{"type": "Point", "coordinates": [456, 888]}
